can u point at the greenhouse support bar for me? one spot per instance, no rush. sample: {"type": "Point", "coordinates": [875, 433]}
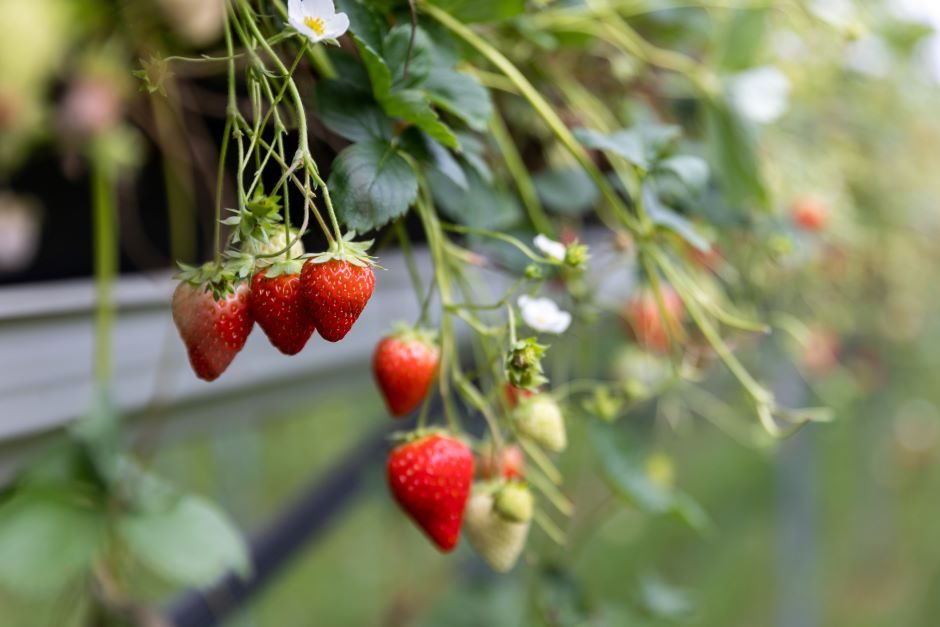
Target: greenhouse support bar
{"type": "Point", "coordinates": [273, 547]}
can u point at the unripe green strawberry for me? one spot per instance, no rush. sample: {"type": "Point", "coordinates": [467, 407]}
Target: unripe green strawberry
{"type": "Point", "coordinates": [539, 418]}
{"type": "Point", "coordinates": [514, 501]}
{"type": "Point", "coordinates": [498, 541]}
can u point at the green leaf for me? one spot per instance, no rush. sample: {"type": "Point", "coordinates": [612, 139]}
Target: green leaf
{"type": "Point", "coordinates": [99, 432]}
{"type": "Point", "coordinates": [663, 216]}
{"type": "Point", "coordinates": [364, 23]}
{"type": "Point", "coordinates": [482, 10]}
{"type": "Point", "coordinates": [45, 543]}
{"type": "Point", "coordinates": [483, 206]}
{"type": "Point", "coordinates": [412, 105]}
{"type": "Point", "coordinates": [734, 154]}
{"type": "Point", "coordinates": [568, 191]}
{"type": "Point", "coordinates": [396, 53]}
{"type": "Point", "coordinates": [627, 478]}
{"type": "Point", "coordinates": [352, 115]}
{"type": "Point", "coordinates": [351, 74]}
{"type": "Point", "coordinates": [371, 184]}
{"type": "Point", "coordinates": [460, 95]}
{"type": "Point", "coordinates": [471, 154]}
{"type": "Point", "coordinates": [642, 146]}
{"type": "Point", "coordinates": [429, 152]}
{"type": "Point", "coordinates": [691, 170]}
{"type": "Point", "coordinates": [741, 42]}
{"type": "Point", "coordinates": [189, 541]}
{"type": "Point", "coordinates": [379, 75]}
{"type": "Point", "coordinates": [445, 163]}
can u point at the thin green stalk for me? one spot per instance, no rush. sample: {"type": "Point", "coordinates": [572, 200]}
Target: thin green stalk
{"type": "Point", "coordinates": [509, 239]}
{"type": "Point", "coordinates": [432, 229]}
{"type": "Point", "coordinates": [275, 102]}
{"type": "Point", "coordinates": [295, 93]}
{"type": "Point", "coordinates": [760, 395]}
{"type": "Point", "coordinates": [105, 255]}
{"type": "Point", "coordinates": [405, 243]}
{"type": "Point", "coordinates": [670, 324]}
{"type": "Point", "coordinates": [520, 174]}
{"type": "Point", "coordinates": [544, 110]}
{"type": "Point", "coordinates": [550, 528]}
{"type": "Point", "coordinates": [473, 396]}
{"type": "Point", "coordinates": [541, 460]}
{"type": "Point", "coordinates": [219, 186]}
{"type": "Point", "coordinates": [303, 187]}
{"type": "Point", "coordinates": [312, 167]}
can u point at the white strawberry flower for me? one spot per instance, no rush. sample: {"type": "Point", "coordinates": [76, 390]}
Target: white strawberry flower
{"type": "Point", "coordinates": [542, 314]}
{"type": "Point", "coordinates": [760, 94]}
{"type": "Point", "coordinates": [317, 20]}
{"type": "Point", "coordinates": [551, 248]}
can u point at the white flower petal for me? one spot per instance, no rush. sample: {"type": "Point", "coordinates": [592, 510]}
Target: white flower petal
{"type": "Point", "coordinates": [551, 248]}
{"type": "Point", "coordinates": [295, 11]}
{"type": "Point", "coordinates": [542, 314]}
{"type": "Point", "coordinates": [564, 321]}
{"type": "Point", "coordinates": [336, 26]}
{"type": "Point", "coordinates": [760, 94]}
{"type": "Point", "coordinates": [319, 8]}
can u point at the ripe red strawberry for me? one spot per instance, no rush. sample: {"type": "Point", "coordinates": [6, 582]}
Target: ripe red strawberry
{"type": "Point", "coordinates": [335, 292]}
{"type": "Point", "coordinates": [430, 478]}
{"type": "Point", "coordinates": [404, 365]}
{"type": "Point", "coordinates": [646, 323]}
{"type": "Point", "coordinates": [277, 306]}
{"type": "Point", "coordinates": [509, 463]}
{"type": "Point", "coordinates": [810, 214]}
{"type": "Point", "coordinates": [214, 325]}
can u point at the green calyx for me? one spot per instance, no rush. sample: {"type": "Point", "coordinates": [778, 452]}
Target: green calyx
{"type": "Point", "coordinates": [219, 278]}
{"type": "Point", "coordinates": [524, 364]}
{"type": "Point", "coordinates": [410, 333]}
{"type": "Point", "coordinates": [576, 255]}
{"type": "Point", "coordinates": [406, 437]}
{"type": "Point", "coordinates": [347, 250]}
{"type": "Point", "coordinates": [291, 266]}
{"type": "Point", "coordinates": [257, 220]}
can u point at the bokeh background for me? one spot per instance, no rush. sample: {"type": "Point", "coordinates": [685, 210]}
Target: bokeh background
{"type": "Point", "coordinates": [835, 526]}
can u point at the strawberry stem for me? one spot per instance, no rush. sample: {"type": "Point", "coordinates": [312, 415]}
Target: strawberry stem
{"type": "Point", "coordinates": [105, 247]}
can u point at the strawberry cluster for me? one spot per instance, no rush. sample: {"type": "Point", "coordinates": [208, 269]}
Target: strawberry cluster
{"type": "Point", "coordinates": [269, 281]}
{"type": "Point", "coordinates": [431, 473]}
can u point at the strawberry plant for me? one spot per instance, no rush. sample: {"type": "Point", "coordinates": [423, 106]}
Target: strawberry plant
{"type": "Point", "coordinates": [432, 112]}
{"type": "Point", "coordinates": [610, 222]}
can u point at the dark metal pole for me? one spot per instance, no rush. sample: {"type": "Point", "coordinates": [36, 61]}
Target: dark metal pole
{"type": "Point", "coordinates": [274, 546]}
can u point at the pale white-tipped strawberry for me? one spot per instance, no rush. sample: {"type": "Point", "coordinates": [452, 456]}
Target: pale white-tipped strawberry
{"type": "Point", "coordinates": [498, 540]}
{"type": "Point", "coordinates": [539, 418]}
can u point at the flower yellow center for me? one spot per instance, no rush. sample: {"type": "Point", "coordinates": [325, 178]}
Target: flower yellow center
{"type": "Point", "coordinates": [315, 24]}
